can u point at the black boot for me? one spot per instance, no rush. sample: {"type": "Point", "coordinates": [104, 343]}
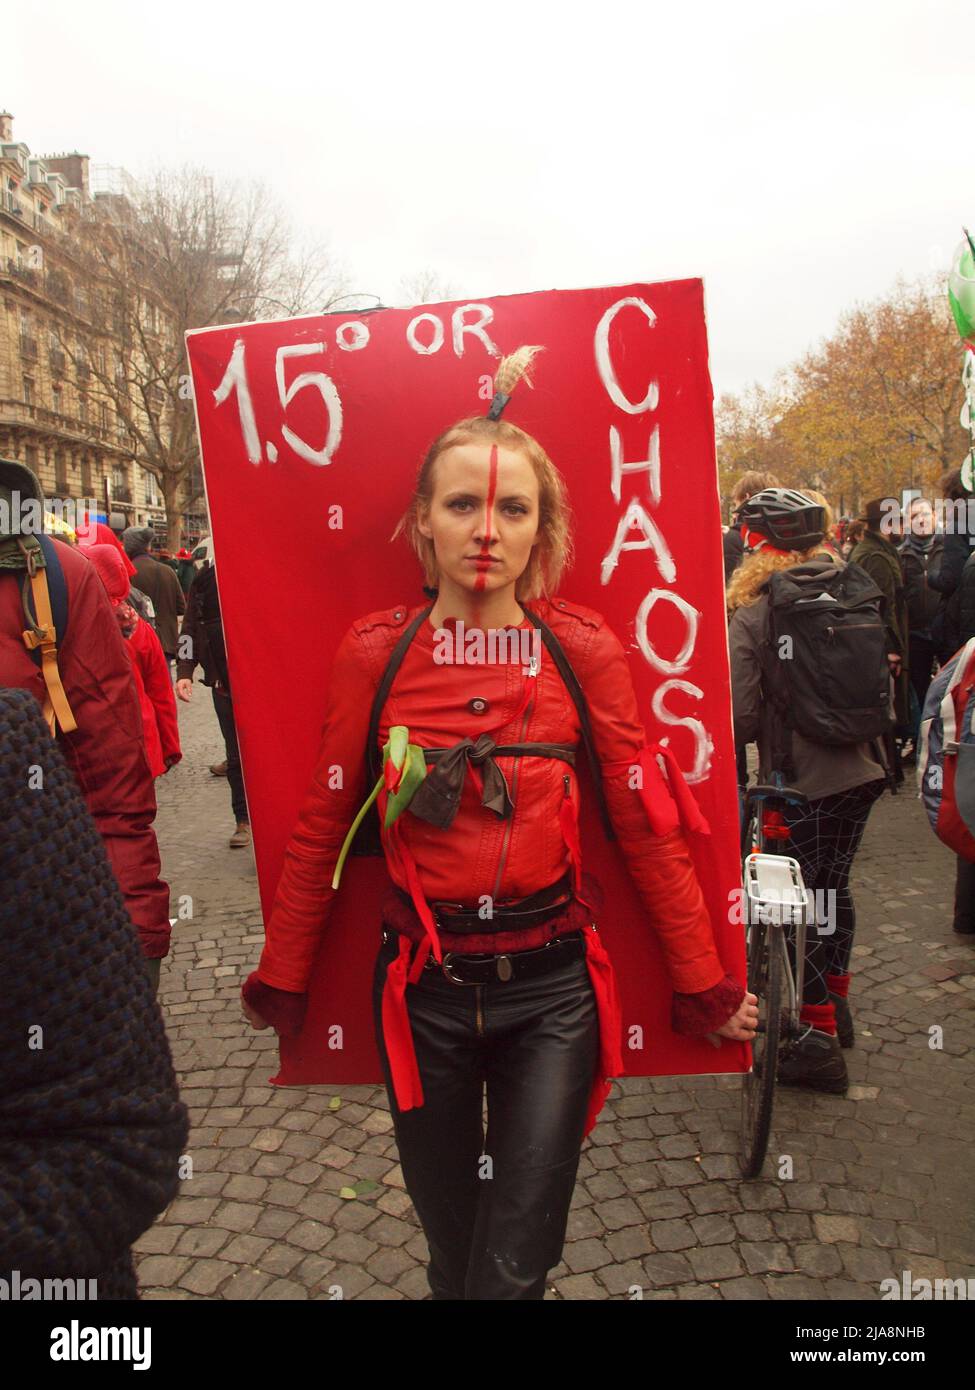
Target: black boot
{"type": "Point", "coordinates": [844, 1020]}
{"type": "Point", "coordinates": [816, 1062]}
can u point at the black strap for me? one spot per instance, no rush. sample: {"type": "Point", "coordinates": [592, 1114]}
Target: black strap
{"type": "Point", "coordinates": [579, 699]}
{"type": "Point", "coordinates": [564, 751]}
{"type": "Point", "coordinates": [565, 670]}
{"type": "Point", "coordinates": [395, 662]}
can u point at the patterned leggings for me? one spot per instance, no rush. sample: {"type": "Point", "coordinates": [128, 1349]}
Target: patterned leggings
{"type": "Point", "coordinates": [825, 838]}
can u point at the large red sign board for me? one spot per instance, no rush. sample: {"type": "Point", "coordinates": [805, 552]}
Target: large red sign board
{"type": "Point", "coordinates": [312, 430]}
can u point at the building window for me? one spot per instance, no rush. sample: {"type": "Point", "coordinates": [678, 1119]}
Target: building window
{"type": "Point", "coordinates": [31, 455]}
{"type": "Point", "coordinates": [57, 400]}
{"type": "Point", "coordinates": [56, 352]}
{"type": "Point", "coordinates": [28, 343]}
{"type": "Point", "coordinates": [103, 415]}
{"type": "Point", "coordinates": [86, 475]}
{"type": "Point", "coordinates": [28, 390]}
{"type": "Point", "coordinates": [82, 407]}
{"type": "Point", "coordinates": [60, 473]}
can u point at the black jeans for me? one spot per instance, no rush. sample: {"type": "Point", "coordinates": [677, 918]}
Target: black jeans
{"type": "Point", "coordinates": [921, 658]}
{"type": "Point", "coordinates": [494, 1209]}
{"type": "Point", "coordinates": [964, 895]}
{"type": "Point", "coordinates": [225, 714]}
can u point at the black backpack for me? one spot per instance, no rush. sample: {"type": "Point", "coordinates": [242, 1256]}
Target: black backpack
{"type": "Point", "coordinates": [367, 839]}
{"type": "Point", "coordinates": [824, 662]}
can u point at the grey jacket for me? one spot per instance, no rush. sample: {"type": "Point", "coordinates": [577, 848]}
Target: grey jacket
{"type": "Point", "coordinates": [821, 770]}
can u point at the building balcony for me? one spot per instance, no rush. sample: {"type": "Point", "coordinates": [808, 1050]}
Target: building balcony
{"type": "Point", "coordinates": [18, 271]}
{"type": "Point", "coordinates": [28, 347]}
{"type": "Point", "coordinates": [44, 421]}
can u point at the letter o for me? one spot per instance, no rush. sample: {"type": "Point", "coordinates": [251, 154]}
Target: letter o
{"type": "Point", "coordinates": [438, 334]}
{"type": "Point", "coordinates": [359, 338]}
{"type": "Point", "coordinates": [690, 615]}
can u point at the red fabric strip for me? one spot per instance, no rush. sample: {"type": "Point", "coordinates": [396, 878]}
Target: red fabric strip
{"type": "Point", "coordinates": [610, 1062]}
{"type": "Point", "coordinates": [669, 802]}
{"type": "Point", "coordinates": [408, 866]}
{"type": "Point", "coordinates": [397, 1034]}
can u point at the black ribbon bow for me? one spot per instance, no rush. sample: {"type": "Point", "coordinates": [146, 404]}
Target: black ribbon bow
{"type": "Point", "coordinates": [437, 798]}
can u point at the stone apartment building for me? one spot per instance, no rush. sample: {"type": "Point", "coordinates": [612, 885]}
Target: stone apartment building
{"type": "Point", "coordinates": [54, 415]}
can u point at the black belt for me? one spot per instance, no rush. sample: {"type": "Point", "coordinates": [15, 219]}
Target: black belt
{"type": "Point", "coordinates": [526, 912]}
{"type": "Point", "coordinates": [437, 798]}
{"type": "Point", "coordinates": [519, 965]}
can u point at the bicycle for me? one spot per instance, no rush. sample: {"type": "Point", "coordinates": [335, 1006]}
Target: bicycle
{"type": "Point", "coordinates": [775, 898]}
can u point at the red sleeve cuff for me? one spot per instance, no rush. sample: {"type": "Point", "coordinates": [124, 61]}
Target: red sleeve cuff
{"type": "Point", "coordinates": [283, 1010]}
{"type": "Point", "coordinates": [696, 1014]}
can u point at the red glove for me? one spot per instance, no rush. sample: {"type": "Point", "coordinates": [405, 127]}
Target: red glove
{"type": "Point", "coordinates": [694, 1015]}
{"type": "Point", "coordinates": [283, 1010]}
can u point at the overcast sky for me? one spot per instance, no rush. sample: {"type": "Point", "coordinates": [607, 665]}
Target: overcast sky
{"type": "Point", "coordinates": [797, 156]}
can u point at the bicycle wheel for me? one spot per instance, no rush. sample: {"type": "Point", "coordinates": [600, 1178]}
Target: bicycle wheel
{"type": "Point", "coordinates": [758, 1085]}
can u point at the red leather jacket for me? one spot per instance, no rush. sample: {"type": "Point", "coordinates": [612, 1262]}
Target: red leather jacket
{"type": "Point", "coordinates": [482, 853]}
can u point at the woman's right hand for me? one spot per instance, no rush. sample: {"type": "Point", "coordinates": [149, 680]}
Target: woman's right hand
{"type": "Point", "coordinates": [184, 689]}
{"type": "Point", "coordinates": [253, 1018]}
{"type": "Point", "coordinates": [266, 1007]}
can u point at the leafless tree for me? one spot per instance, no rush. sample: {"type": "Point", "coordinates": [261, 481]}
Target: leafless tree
{"type": "Point", "coordinates": [425, 287]}
{"type": "Point", "coordinates": [185, 252]}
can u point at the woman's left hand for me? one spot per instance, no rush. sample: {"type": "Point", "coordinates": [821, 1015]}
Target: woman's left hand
{"type": "Point", "coordinates": [742, 1026]}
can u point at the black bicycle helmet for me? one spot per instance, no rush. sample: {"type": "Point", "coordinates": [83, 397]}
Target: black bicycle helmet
{"type": "Point", "coordinates": [789, 519]}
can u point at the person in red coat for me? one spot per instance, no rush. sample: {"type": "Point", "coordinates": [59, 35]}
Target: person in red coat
{"type": "Point", "coordinates": [149, 666]}
{"type": "Point", "coordinates": [490, 968]}
{"type": "Point", "coordinates": [106, 752]}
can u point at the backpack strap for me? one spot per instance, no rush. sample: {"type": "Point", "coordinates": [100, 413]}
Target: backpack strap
{"type": "Point", "coordinates": [389, 675]}
{"type": "Point", "coordinates": [565, 670]}
{"type": "Point", "coordinates": [780, 749]}
{"type": "Point", "coordinates": [582, 709]}
{"type": "Point", "coordinates": [46, 608]}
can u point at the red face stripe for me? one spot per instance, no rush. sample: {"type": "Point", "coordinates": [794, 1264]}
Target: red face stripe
{"type": "Point", "coordinates": [481, 579]}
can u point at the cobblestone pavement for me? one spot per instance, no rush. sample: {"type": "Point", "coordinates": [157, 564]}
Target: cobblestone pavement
{"type": "Point", "coordinates": [881, 1179]}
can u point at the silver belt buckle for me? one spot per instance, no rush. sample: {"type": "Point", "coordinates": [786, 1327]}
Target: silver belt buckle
{"type": "Point", "coordinates": [448, 957]}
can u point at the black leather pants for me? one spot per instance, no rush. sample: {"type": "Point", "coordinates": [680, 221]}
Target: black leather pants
{"type": "Point", "coordinates": [494, 1208]}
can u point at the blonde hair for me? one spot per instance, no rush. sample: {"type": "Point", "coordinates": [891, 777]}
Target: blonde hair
{"type": "Point", "coordinates": [752, 573]}
{"type": "Point", "coordinates": [552, 553]}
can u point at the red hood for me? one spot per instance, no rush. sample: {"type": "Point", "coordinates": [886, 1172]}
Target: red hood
{"type": "Point", "coordinates": [98, 534]}
{"type": "Point", "coordinates": [110, 565]}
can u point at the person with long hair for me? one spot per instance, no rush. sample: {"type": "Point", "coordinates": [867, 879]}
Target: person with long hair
{"type": "Point", "coordinates": [783, 531]}
{"type": "Point", "coordinates": [490, 970]}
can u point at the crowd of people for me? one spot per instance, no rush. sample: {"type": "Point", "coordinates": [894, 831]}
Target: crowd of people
{"type": "Point", "coordinates": [99, 639]}
{"type": "Point", "coordinates": [868, 657]}
{"type": "Point", "coordinates": [92, 1127]}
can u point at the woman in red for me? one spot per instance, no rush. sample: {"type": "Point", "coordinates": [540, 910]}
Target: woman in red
{"type": "Point", "coordinates": [149, 669]}
{"type": "Point", "coordinates": [490, 969]}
